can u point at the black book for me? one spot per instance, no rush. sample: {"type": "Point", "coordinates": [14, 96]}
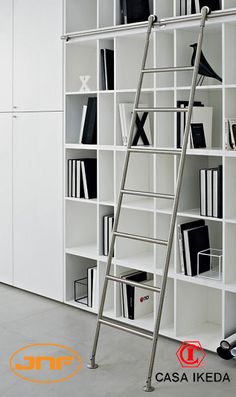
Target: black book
{"type": "Point", "coordinates": [214, 5]}
{"type": "Point", "coordinates": [182, 228]}
{"type": "Point", "coordinates": [134, 11]}
{"type": "Point", "coordinates": [198, 135]}
{"type": "Point", "coordinates": [181, 120]}
{"type": "Point", "coordinates": [195, 241]}
{"type": "Point", "coordinates": [89, 176]}
{"type": "Point", "coordinates": [138, 277]}
{"type": "Point", "coordinates": [218, 192]}
{"type": "Point", "coordinates": [107, 58]}
{"type": "Point", "coordinates": [90, 124]}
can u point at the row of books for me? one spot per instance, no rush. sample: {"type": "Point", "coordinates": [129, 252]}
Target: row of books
{"type": "Point", "coordinates": [142, 134]}
{"type": "Point", "coordinates": [88, 125]}
{"type": "Point", "coordinates": [201, 125]}
{"type": "Point", "coordinates": [193, 238]}
{"type": "Point", "coordinates": [136, 302]}
{"type": "Point", "coordinates": [82, 178]}
{"type": "Point", "coordinates": [187, 7]}
{"type": "Point", "coordinates": [211, 192]}
{"type": "Point", "coordinates": [108, 221]}
{"type": "Point", "coordinates": [85, 289]}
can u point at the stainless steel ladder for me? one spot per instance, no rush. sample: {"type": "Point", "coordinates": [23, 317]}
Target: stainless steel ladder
{"type": "Point", "coordinates": [123, 191]}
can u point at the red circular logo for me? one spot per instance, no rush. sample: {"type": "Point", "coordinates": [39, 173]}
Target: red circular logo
{"type": "Point", "coordinates": [191, 354]}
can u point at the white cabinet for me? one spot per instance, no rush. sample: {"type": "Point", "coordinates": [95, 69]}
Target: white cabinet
{"type": "Point", "coordinates": [6, 198]}
{"type": "Point", "coordinates": [37, 203]}
{"type": "Point", "coordinates": [37, 55]}
{"type": "Point", "coordinates": [6, 55]}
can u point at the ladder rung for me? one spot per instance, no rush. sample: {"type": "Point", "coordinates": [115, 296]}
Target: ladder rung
{"type": "Point", "coordinates": [156, 151]}
{"type": "Point", "coordinates": [141, 238]}
{"type": "Point", "coordinates": [122, 327]}
{"type": "Point", "coordinates": [148, 194]}
{"type": "Point", "coordinates": [169, 69]}
{"type": "Point", "coordinates": [166, 110]}
{"type": "Point", "coordinates": [133, 283]}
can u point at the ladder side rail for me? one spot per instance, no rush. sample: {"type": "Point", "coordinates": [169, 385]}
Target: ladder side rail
{"type": "Point", "coordinates": [148, 387]}
{"type": "Point", "coordinates": [152, 19]}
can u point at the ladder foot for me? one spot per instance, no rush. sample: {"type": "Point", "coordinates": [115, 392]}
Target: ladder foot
{"type": "Point", "coordinates": [148, 388]}
{"type": "Point", "coordinates": [92, 365]}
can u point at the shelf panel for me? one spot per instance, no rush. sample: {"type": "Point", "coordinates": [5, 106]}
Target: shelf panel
{"type": "Point", "coordinates": [195, 213]}
{"type": "Point", "coordinates": [209, 335]}
{"type": "Point", "coordinates": [230, 287]}
{"type": "Point", "coordinates": [146, 322]}
{"type": "Point", "coordinates": [200, 281]}
{"type": "Point", "coordinates": [142, 204]}
{"type": "Point", "coordinates": [82, 200]}
{"type": "Point", "coordinates": [144, 261]}
{"type": "Point", "coordinates": [86, 251]}
{"type": "Point", "coordinates": [76, 146]}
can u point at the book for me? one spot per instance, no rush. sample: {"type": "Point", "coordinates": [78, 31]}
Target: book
{"type": "Point", "coordinates": [90, 124]}
{"type": "Point", "coordinates": [198, 136]}
{"type": "Point", "coordinates": [73, 192]}
{"type": "Point", "coordinates": [107, 60]}
{"type": "Point", "coordinates": [130, 290]}
{"type": "Point", "coordinates": [181, 120]}
{"type": "Point", "coordinates": [203, 192]}
{"type": "Point", "coordinates": [123, 292]}
{"type": "Point", "coordinates": [204, 115]}
{"type": "Point", "coordinates": [89, 177]}
{"type": "Point", "coordinates": [217, 209]}
{"type": "Point", "coordinates": [214, 5]}
{"type": "Point", "coordinates": [209, 177]}
{"type": "Point", "coordinates": [108, 221]}
{"type": "Point", "coordinates": [92, 286]}
{"type": "Point", "coordinates": [143, 300]}
{"type": "Point", "coordinates": [195, 241]}
{"type": "Point", "coordinates": [142, 134]}
{"type": "Point", "coordinates": [79, 182]}
{"type": "Point", "coordinates": [181, 228]}
{"type": "Point", "coordinates": [83, 117]}
{"type": "Point", "coordinates": [133, 11]}
{"type": "Point", "coordinates": [94, 289]}
{"type": "Point", "coordinates": [69, 193]}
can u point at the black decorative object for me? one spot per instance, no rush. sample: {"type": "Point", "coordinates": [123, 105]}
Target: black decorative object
{"type": "Point", "coordinates": [205, 70]}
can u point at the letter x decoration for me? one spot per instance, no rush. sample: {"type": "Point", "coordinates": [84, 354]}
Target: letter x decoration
{"type": "Point", "coordinates": [140, 133]}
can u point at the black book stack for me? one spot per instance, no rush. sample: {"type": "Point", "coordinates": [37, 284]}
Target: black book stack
{"type": "Point", "coordinates": [187, 7]}
{"type": "Point", "coordinates": [134, 11]}
{"type": "Point", "coordinates": [211, 192]}
{"type": "Point", "coordinates": [88, 128]}
{"type": "Point", "coordinates": [82, 178]}
{"type": "Point", "coordinates": [193, 238]}
{"type": "Point", "coordinates": [107, 59]}
{"type": "Point", "coordinates": [181, 120]}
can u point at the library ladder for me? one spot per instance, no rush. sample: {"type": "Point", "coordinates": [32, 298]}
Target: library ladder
{"type": "Point", "coordinates": [123, 191]}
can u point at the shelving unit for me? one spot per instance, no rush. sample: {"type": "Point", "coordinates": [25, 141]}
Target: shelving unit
{"type": "Point", "coordinates": [194, 308]}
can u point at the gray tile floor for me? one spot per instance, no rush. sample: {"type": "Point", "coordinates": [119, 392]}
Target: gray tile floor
{"type": "Point", "coordinates": [26, 318]}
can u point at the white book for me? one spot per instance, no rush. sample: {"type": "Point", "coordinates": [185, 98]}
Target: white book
{"type": "Point", "coordinates": [83, 117]}
{"type": "Point", "coordinates": [189, 7]}
{"type": "Point", "coordinates": [105, 235]}
{"type": "Point", "coordinates": [204, 115]}
{"type": "Point", "coordinates": [197, 6]}
{"type": "Point", "coordinates": [215, 194]}
{"type": "Point", "coordinates": [187, 250]}
{"type": "Point", "coordinates": [86, 195]}
{"type": "Point", "coordinates": [110, 227]}
{"type": "Point", "coordinates": [181, 252]}
{"type": "Point", "coordinates": [143, 300]}
{"type": "Point", "coordinates": [126, 112]}
{"type": "Point", "coordinates": [203, 193]}
{"type": "Point", "coordinates": [90, 286]}
{"type": "Point", "coordinates": [94, 289]}
{"type": "Point", "coordinates": [73, 178]}
{"type": "Point", "coordinates": [78, 179]}
{"type": "Point", "coordinates": [209, 192]}
{"type": "Point", "coordinates": [69, 178]}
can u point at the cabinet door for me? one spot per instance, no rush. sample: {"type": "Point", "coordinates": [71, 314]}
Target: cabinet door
{"type": "Point", "coordinates": [6, 55]}
{"type": "Point", "coordinates": [37, 55]}
{"type": "Point", "coordinates": [6, 198]}
{"type": "Point", "coordinates": [38, 203]}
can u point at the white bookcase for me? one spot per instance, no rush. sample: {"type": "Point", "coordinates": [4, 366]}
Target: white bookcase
{"type": "Point", "coordinates": [194, 308]}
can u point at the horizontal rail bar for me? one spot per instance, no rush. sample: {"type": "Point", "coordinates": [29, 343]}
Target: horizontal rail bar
{"type": "Point", "coordinates": [169, 69]}
{"type": "Point", "coordinates": [214, 15]}
{"type": "Point", "coordinates": [156, 151]}
{"type": "Point", "coordinates": [148, 194]}
{"type": "Point", "coordinates": [166, 110]}
{"type": "Point", "coordinates": [131, 329]}
{"type": "Point", "coordinates": [133, 283]}
{"type": "Point", "coordinates": [141, 238]}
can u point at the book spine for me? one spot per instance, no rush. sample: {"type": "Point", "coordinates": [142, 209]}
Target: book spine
{"type": "Point", "coordinates": [181, 250]}
{"type": "Point", "coordinates": [209, 192]}
{"type": "Point", "coordinates": [73, 178]}
{"type": "Point", "coordinates": [203, 195]}
{"type": "Point", "coordinates": [69, 178]}
{"type": "Point", "coordinates": [220, 191]}
{"type": "Point", "coordinates": [215, 193]}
